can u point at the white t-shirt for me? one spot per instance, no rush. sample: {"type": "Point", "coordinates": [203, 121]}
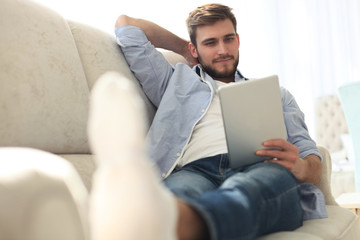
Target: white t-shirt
{"type": "Point", "coordinates": [208, 137]}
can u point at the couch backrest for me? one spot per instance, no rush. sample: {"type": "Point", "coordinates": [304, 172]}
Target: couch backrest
{"type": "Point", "coordinates": [99, 54]}
{"type": "Point", "coordinates": [43, 88]}
{"type": "Point", "coordinates": [47, 68]}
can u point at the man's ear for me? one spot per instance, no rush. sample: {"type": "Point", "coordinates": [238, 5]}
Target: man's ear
{"type": "Point", "coordinates": [193, 50]}
{"type": "Point", "coordinates": [237, 35]}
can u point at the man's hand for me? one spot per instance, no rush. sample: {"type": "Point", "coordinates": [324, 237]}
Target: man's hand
{"type": "Point", "coordinates": [306, 169]}
{"type": "Point", "coordinates": [188, 56]}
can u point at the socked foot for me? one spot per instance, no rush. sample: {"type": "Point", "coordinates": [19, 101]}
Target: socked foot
{"type": "Point", "coordinates": [127, 199]}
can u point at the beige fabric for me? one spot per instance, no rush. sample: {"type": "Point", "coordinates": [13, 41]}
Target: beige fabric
{"type": "Point", "coordinates": [324, 183]}
{"type": "Point", "coordinates": [289, 236]}
{"type": "Point", "coordinates": [99, 54]}
{"type": "Point", "coordinates": [85, 166]}
{"type": "Point", "coordinates": [341, 224]}
{"type": "Point", "coordinates": [43, 91]}
{"type": "Point", "coordinates": [173, 58]}
{"type": "Point", "coordinates": [42, 197]}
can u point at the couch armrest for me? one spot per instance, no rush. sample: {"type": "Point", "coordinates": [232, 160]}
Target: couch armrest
{"type": "Point", "coordinates": [325, 181]}
{"type": "Point", "coordinates": [42, 197]}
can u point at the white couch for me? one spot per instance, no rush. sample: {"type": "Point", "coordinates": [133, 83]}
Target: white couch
{"type": "Point", "coordinates": [48, 66]}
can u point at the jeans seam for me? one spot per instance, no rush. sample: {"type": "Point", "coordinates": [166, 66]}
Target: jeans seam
{"type": "Point", "coordinates": [221, 170]}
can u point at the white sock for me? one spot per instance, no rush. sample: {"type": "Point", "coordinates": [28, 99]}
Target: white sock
{"type": "Point", "coordinates": [127, 199]}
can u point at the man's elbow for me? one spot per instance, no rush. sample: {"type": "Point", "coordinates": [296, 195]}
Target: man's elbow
{"type": "Point", "coordinates": [122, 20]}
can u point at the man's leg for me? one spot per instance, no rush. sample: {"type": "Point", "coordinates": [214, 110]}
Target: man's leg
{"type": "Point", "coordinates": [191, 225]}
{"type": "Point", "coordinates": [264, 198]}
{"type": "Point", "coordinates": [192, 181]}
{"type": "Point", "coordinates": [198, 177]}
{"type": "Point", "coordinates": [259, 199]}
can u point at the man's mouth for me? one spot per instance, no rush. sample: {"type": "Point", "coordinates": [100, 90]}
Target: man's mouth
{"type": "Point", "coordinates": [223, 59]}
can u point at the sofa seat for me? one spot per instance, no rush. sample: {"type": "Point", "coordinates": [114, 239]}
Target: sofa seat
{"type": "Point", "coordinates": [84, 164]}
{"type": "Point", "coordinates": [344, 225]}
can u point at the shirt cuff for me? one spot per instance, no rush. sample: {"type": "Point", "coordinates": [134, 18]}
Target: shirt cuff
{"type": "Point", "coordinates": [130, 36]}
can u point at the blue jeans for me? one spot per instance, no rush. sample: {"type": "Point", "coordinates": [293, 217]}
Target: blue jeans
{"type": "Point", "coordinates": [243, 203]}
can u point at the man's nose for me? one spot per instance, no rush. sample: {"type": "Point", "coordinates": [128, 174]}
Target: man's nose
{"type": "Point", "coordinates": [221, 48]}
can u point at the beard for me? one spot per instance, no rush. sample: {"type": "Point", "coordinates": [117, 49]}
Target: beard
{"type": "Point", "coordinates": [216, 74]}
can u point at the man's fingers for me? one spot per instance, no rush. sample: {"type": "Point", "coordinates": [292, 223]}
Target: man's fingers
{"type": "Point", "coordinates": [285, 164]}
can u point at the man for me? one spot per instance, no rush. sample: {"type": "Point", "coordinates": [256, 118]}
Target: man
{"type": "Point", "coordinates": [186, 139]}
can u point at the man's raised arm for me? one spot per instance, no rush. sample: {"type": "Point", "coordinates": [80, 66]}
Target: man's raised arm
{"type": "Point", "coordinates": [159, 36]}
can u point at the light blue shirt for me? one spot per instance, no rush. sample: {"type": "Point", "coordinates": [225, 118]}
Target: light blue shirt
{"type": "Point", "coordinates": [182, 96]}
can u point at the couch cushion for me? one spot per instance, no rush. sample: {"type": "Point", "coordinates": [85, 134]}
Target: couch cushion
{"type": "Point", "coordinates": [290, 235]}
{"type": "Point", "coordinates": [43, 90]}
{"type": "Point", "coordinates": [99, 54]}
{"type": "Point", "coordinates": [85, 166]}
{"type": "Point", "coordinates": [341, 224]}
{"type": "Point", "coordinates": [42, 197]}
{"type": "Point", "coordinates": [342, 221]}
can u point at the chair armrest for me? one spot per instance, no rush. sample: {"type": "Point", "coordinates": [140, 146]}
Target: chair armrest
{"type": "Point", "coordinates": [325, 182]}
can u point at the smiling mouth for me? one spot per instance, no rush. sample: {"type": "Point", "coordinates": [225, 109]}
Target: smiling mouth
{"type": "Point", "coordinates": [223, 59]}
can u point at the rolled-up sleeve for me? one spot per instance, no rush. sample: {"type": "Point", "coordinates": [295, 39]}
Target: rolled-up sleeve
{"type": "Point", "coordinates": [296, 127]}
{"type": "Point", "coordinates": [148, 65]}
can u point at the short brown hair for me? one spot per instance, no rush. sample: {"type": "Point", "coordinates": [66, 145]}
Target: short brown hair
{"type": "Point", "coordinates": [207, 15]}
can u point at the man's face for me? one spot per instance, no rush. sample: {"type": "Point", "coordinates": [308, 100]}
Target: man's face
{"type": "Point", "coordinates": [217, 49]}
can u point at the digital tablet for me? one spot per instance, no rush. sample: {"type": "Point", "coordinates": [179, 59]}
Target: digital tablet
{"type": "Point", "coordinates": [252, 113]}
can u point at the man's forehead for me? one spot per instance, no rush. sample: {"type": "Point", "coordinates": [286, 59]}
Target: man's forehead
{"type": "Point", "coordinates": [219, 29]}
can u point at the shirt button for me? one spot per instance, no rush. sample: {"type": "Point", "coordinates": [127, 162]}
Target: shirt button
{"type": "Point", "coordinates": [163, 175]}
{"type": "Point", "coordinates": [178, 154]}
{"type": "Point", "coordinates": [203, 110]}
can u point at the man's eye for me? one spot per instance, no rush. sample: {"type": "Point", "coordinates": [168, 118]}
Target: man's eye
{"type": "Point", "coordinates": [209, 43]}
